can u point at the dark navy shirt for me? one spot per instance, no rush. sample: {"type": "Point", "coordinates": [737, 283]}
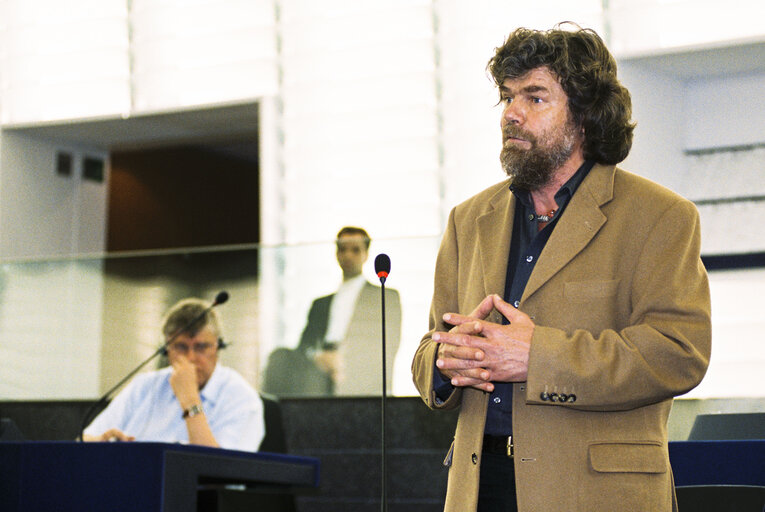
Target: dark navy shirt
{"type": "Point", "coordinates": [526, 245]}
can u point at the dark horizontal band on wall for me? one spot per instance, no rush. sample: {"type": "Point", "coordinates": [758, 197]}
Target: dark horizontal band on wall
{"type": "Point", "coordinates": [729, 200]}
{"type": "Point", "coordinates": [724, 149]}
{"type": "Point", "coordinates": [733, 261]}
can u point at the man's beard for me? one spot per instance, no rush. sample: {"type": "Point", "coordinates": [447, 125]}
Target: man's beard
{"type": "Point", "coordinates": [533, 168]}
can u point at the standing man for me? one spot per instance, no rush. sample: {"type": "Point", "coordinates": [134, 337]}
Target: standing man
{"type": "Point", "coordinates": [570, 302]}
{"type": "Point", "coordinates": [340, 349]}
{"type": "Point", "coordinates": [194, 400]}
{"type": "Point", "coordinates": [343, 333]}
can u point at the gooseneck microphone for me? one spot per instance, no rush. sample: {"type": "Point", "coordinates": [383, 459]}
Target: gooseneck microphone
{"type": "Point", "coordinates": [382, 269]}
{"type": "Point", "coordinates": [220, 298]}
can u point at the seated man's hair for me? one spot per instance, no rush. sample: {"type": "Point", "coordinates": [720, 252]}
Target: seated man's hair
{"type": "Point", "coordinates": [186, 311]}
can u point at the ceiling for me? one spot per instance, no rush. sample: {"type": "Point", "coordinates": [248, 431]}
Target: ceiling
{"type": "Point", "coordinates": [231, 129]}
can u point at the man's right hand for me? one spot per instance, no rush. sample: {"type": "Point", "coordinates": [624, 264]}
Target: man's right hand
{"type": "Point", "coordinates": [468, 360]}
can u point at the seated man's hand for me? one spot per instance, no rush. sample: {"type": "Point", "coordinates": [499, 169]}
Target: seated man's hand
{"type": "Point", "coordinates": [112, 434]}
{"type": "Point", "coordinates": [184, 382]}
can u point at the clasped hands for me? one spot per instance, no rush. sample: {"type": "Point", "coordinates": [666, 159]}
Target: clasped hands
{"type": "Point", "coordinates": [476, 352]}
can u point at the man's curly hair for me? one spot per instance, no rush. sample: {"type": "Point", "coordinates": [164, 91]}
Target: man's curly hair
{"type": "Point", "coordinates": [586, 71]}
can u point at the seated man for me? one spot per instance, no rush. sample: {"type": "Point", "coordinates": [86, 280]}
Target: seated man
{"type": "Point", "coordinates": [194, 400]}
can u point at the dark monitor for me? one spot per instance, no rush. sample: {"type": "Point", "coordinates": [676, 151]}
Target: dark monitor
{"type": "Point", "coordinates": [727, 427]}
{"type": "Point", "coordinates": [9, 431]}
{"type": "Point", "coordinates": [721, 498]}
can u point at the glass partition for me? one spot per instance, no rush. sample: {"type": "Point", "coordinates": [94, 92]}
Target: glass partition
{"type": "Point", "coordinates": [72, 328]}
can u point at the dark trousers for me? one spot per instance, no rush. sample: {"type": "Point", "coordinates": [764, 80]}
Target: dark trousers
{"type": "Point", "coordinates": [496, 492]}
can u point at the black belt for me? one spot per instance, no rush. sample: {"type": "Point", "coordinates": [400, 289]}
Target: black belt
{"type": "Point", "coordinates": [500, 445]}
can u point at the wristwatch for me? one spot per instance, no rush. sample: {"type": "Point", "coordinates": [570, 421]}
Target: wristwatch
{"type": "Point", "coordinates": [192, 411]}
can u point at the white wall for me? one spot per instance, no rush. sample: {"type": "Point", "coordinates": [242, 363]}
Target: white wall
{"type": "Point", "coordinates": [657, 106]}
{"type": "Point", "coordinates": [724, 111]}
{"type": "Point", "coordinates": [50, 329]}
{"type": "Point", "coordinates": [50, 311]}
{"type": "Point", "coordinates": [738, 360]}
{"type": "Point", "coordinates": [221, 51]}
{"type": "Point", "coordinates": [43, 213]}
{"type": "Point", "coordinates": [648, 26]}
{"type": "Point", "coordinates": [62, 60]}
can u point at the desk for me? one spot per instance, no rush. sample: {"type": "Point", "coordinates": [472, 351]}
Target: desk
{"type": "Point", "coordinates": [718, 462]}
{"type": "Point", "coordinates": [64, 475]}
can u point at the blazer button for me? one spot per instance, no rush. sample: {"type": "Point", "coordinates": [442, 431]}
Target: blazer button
{"type": "Point", "coordinates": [553, 397]}
{"type": "Point", "coordinates": [571, 398]}
{"type": "Point", "coordinates": [475, 458]}
{"type": "Point", "coordinates": [562, 398]}
{"type": "Point", "coordinates": [544, 396]}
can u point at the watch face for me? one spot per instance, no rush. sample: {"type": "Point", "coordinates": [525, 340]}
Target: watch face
{"type": "Point", "coordinates": [192, 411]}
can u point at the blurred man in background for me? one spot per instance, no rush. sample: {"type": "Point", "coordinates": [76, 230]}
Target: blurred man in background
{"type": "Point", "coordinates": [340, 349]}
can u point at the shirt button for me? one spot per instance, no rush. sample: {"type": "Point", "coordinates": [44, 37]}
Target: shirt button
{"type": "Point", "coordinates": [516, 303]}
{"type": "Point", "coordinates": [497, 399]}
{"type": "Point", "coordinates": [529, 258]}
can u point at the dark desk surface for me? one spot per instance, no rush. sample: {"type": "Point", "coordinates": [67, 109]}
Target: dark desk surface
{"type": "Point", "coordinates": [64, 475]}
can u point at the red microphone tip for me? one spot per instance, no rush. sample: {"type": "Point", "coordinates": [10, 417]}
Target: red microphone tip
{"type": "Point", "coordinates": [382, 273]}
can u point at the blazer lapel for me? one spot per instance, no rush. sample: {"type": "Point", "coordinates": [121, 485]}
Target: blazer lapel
{"type": "Point", "coordinates": [495, 229]}
{"type": "Point", "coordinates": [580, 222]}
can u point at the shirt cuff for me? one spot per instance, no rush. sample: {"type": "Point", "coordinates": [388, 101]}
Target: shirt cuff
{"type": "Point", "coordinates": [442, 386]}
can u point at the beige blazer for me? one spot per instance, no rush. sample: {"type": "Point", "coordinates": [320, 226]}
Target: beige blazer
{"type": "Point", "coordinates": [621, 304]}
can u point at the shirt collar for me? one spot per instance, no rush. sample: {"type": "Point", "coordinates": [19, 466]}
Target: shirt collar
{"type": "Point", "coordinates": [354, 282]}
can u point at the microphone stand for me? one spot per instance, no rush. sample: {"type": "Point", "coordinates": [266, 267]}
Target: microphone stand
{"type": "Point", "coordinates": [382, 268]}
{"type": "Point", "coordinates": [383, 501]}
{"type": "Point", "coordinates": [219, 299]}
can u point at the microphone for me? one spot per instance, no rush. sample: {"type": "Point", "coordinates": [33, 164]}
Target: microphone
{"type": "Point", "coordinates": [382, 269]}
{"type": "Point", "coordinates": [220, 298]}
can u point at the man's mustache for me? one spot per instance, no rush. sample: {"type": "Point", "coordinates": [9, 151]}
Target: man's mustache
{"type": "Point", "coordinates": [513, 132]}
